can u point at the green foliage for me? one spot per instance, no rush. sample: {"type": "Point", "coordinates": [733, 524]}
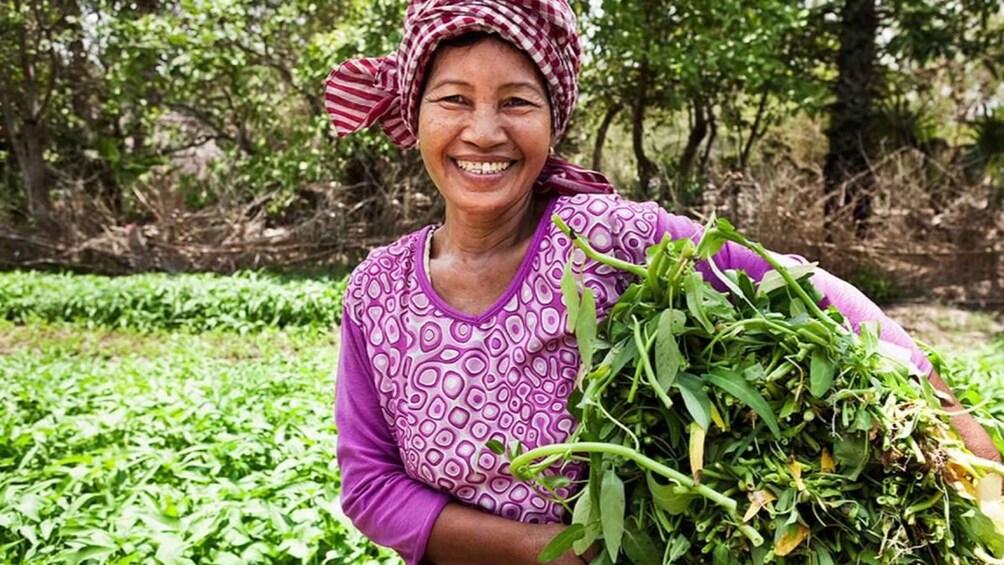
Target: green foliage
{"type": "Point", "coordinates": [876, 284]}
{"type": "Point", "coordinates": [808, 432]}
{"type": "Point", "coordinates": [120, 90]}
{"type": "Point", "coordinates": [245, 302]}
{"type": "Point", "coordinates": [170, 448]}
{"type": "Point", "coordinates": [725, 59]}
{"type": "Point", "coordinates": [248, 75]}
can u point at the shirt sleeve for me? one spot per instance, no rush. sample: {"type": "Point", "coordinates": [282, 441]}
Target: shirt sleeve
{"type": "Point", "coordinates": [843, 296]}
{"type": "Point", "coordinates": [386, 504]}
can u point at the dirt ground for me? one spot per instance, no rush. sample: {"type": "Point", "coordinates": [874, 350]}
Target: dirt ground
{"type": "Point", "coordinates": [948, 327]}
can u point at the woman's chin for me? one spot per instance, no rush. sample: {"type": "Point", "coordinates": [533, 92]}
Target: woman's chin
{"type": "Point", "coordinates": [487, 193]}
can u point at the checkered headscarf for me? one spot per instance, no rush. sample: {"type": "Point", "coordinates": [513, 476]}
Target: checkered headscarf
{"type": "Point", "coordinates": [361, 92]}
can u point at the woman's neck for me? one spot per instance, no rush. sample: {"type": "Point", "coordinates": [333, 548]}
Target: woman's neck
{"type": "Point", "coordinates": [480, 236]}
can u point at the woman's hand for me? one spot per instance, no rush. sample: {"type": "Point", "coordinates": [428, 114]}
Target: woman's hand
{"type": "Point", "coordinates": [464, 535]}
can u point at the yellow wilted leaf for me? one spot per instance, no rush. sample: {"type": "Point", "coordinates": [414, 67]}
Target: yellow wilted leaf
{"type": "Point", "coordinates": [697, 435]}
{"type": "Point", "coordinates": [758, 500]}
{"type": "Point", "coordinates": [961, 462]}
{"type": "Point", "coordinates": [790, 540]}
{"type": "Point", "coordinates": [795, 468]}
{"type": "Point", "coordinates": [988, 494]}
{"type": "Point", "coordinates": [717, 418]}
{"type": "Point", "coordinates": [826, 462]}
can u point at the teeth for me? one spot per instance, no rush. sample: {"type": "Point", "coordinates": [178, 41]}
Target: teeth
{"type": "Point", "coordinates": [479, 168]}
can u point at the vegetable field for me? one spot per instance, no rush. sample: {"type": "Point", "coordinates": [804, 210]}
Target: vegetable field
{"type": "Point", "coordinates": [187, 419]}
{"type": "Point", "coordinates": [148, 444]}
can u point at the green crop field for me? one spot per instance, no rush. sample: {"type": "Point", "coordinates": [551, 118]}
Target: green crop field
{"type": "Point", "coordinates": [137, 435]}
{"type": "Point", "coordinates": [145, 438]}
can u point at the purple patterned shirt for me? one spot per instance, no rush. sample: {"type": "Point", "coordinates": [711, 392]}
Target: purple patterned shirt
{"type": "Point", "coordinates": [422, 387]}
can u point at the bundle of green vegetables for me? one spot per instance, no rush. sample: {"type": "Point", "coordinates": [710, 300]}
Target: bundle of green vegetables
{"type": "Point", "coordinates": [754, 427]}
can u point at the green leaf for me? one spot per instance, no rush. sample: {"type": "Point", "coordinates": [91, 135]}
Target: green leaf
{"type": "Point", "coordinates": [851, 453]}
{"type": "Point", "coordinates": [169, 548]}
{"type": "Point", "coordinates": [695, 399]}
{"type": "Point", "coordinates": [693, 285]}
{"type": "Point", "coordinates": [668, 360]}
{"type": "Point", "coordinates": [624, 352]}
{"type": "Point", "coordinates": [561, 543]}
{"type": "Point", "coordinates": [495, 446]}
{"type": "Point", "coordinates": [674, 499]}
{"type": "Point", "coordinates": [821, 372]}
{"type": "Point", "coordinates": [734, 384]}
{"type": "Point", "coordinates": [678, 547]}
{"type": "Point", "coordinates": [29, 507]}
{"type": "Point", "coordinates": [582, 514]}
{"type": "Point", "coordinates": [295, 548]}
{"type": "Point", "coordinates": [96, 553]}
{"type": "Point", "coordinates": [711, 241]}
{"type": "Point", "coordinates": [585, 328]}
{"type": "Point", "coordinates": [821, 554]}
{"type": "Point", "coordinates": [869, 337]}
{"type": "Point", "coordinates": [570, 294]}
{"type": "Point", "coordinates": [638, 546]}
{"type": "Point", "coordinates": [773, 280]}
{"type": "Point", "coordinates": [612, 504]}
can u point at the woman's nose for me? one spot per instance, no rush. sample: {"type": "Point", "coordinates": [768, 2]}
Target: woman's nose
{"type": "Point", "coordinates": [485, 128]}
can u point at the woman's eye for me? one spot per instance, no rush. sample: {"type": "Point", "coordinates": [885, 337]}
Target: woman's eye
{"type": "Point", "coordinates": [518, 102]}
{"type": "Point", "coordinates": [453, 99]}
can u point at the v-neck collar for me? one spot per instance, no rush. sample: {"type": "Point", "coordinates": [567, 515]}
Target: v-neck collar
{"type": "Point", "coordinates": [422, 253]}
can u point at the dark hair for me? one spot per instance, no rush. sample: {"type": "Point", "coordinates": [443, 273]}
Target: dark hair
{"type": "Point", "coordinates": [468, 39]}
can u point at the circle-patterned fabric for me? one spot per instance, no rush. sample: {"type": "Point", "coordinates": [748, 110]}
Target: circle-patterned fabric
{"type": "Point", "coordinates": [449, 382]}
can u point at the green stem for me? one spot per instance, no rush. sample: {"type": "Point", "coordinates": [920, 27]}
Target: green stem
{"type": "Point", "coordinates": [583, 244]}
{"type": "Point", "coordinates": [781, 270]}
{"type": "Point", "coordinates": [519, 465]}
{"type": "Point", "coordinates": [653, 381]}
{"type": "Point", "coordinates": [793, 284]}
{"type": "Point", "coordinates": [924, 504]}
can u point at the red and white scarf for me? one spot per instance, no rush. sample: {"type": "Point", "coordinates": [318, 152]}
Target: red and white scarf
{"type": "Point", "coordinates": [361, 92]}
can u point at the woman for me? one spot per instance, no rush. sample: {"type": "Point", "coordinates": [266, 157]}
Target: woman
{"type": "Point", "coordinates": [455, 335]}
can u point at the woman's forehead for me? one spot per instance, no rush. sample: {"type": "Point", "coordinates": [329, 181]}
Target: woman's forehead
{"type": "Point", "coordinates": [488, 60]}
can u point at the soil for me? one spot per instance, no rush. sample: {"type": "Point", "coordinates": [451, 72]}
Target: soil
{"type": "Point", "coordinates": [948, 328]}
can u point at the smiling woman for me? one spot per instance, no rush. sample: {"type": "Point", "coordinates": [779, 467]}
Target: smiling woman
{"type": "Point", "coordinates": [456, 335]}
{"type": "Point", "coordinates": [484, 125]}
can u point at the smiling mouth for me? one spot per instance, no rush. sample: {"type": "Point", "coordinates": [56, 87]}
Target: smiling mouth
{"type": "Point", "coordinates": [482, 168]}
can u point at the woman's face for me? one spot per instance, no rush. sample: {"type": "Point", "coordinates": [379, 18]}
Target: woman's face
{"type": "Point", "coordinates": [484, 125]}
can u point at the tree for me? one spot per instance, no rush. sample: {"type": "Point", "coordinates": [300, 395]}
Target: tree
{"type": "Point", "coordinates": [29, 67]}
{"type": "Point", "coordinates": [733, 62]}
{"type": "Point", "coordinates": [919, 32]}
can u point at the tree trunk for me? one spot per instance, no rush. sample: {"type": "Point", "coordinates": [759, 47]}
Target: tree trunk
{"type": "Point", "coordinates": [712, 136]}
{"type": "Point", "coordinates": [756, 132]}
{"type": "Point", "coordinates": [848, 177]}
{"type": "Point", "coordinates": [698, 131]}
{"type": "Point", "coordinates": [30, 154]}
{"type": "Point", "coordinates": [23, 103]}
{"type": "Point", "coordinates": [601, 134]}
{"type": "Point", "coordinates": [646, 168]}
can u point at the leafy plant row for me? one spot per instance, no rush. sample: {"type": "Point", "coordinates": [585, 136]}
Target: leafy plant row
{"type": "Point", "coordinates": [245, 302]}
{"type": "Point", "coordinates": [170, 450]}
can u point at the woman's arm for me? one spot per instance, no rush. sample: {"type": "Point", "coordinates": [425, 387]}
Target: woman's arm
{"type": "Point", "coordinates": [466, 536]}
{"type": "Point", "coordinates": [387, 505]}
